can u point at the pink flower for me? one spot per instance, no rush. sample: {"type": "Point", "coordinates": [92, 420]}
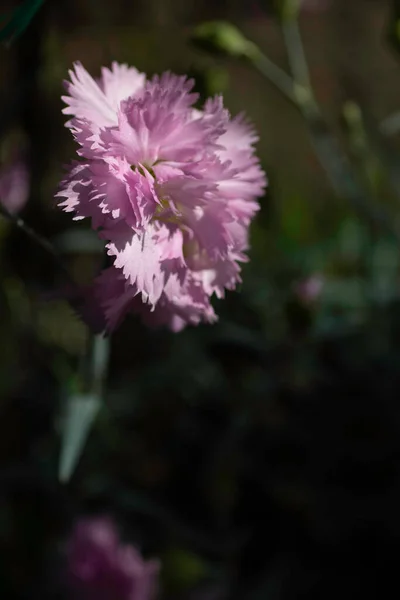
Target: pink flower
{"type": "Point", "coordinates": [171, 190]}
{"type": "Point", "coordinates": [14, 185]}
{"type": "Point", "coordinates": [309, 290]}
{"type": "Point", "coordinates": [101, 568]}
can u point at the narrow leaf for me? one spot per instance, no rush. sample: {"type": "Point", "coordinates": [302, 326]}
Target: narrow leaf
{"type": "Point", "coordinates": [19, 21]}
{"type": "Point", "coordinates": [81, 412]}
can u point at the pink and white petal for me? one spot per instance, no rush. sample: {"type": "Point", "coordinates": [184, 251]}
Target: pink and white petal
{"type": "Point", "coordinates": [161, 134]}
{"type": "Point", "coordinates": [241, 187]}
{"type": "Point", "coordinates": [172, 91]}
{"type": "Point", "coordinates": [119, 298]}
{"type": "Point", "coordinates": [167, 170]}
{"type": "Point", "coordinates": [158, 125]}
{"type": "Point", "coordinates": [130, 139]}
{"type": "Point", "coordinates": [139, 259]}
{"type": "Point", "coordinates": [141, 131]}
{"type": "Point", "coordinates": [76, 190]}
{"type": "Point", "coordinates": [187, 192]}
{"type": "Point", "coordinates": [184, 141]}
{"type": "Point", "coordinates": [110, 194]}
{"type": "Point", "coordinates": [239, 135]}
{"type": "Point", "coordinates": [239, 235]}
{"type": "Point", "coordinates": [241, 160]}
{"type": "Point", "coordinates": [170, 241]}
{"type": "Point", "coordinates": [108, 191]}
{"type": "Point", "coordinates": [86, 100]}
{"type": "Point", "coordinates": [193, 306]}
{"type": "Point", "coordinates": [211, 169]}
{"type": "Point", "coordinates": [243, 211]}
{"type": "Point", "coordinates": [199, 134]}
{"type": "Point", "coordinates": [216, 118]}
{"type": "Point", "coordinates": [224, 275]}
{"type": "Point", "coordinates": [210, 229]}
{"type": "Point", "coordinates": [88, 138]}
{"type": "Point", "coordinates": [120, 82]}
{"type": "Point", "coordinates": [237, 147]}
{"type": "Point", "coordinates": [123, 193]}
{"type": "Point", "coordinates": [142, 196]}
{"type": "Point", "coordinates": [181, 304]}
{"type": "Point", "coordinates": [85, 190]}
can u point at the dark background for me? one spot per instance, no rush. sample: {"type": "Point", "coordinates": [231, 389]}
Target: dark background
{"type": "Point", "coordinates": [258, 458]}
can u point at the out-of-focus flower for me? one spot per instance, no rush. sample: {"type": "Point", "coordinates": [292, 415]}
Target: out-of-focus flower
{"type": "Point", "coordinates": [171, 189]}
{"type": "Point", "coordinates": [309, 290]}
{"type": "Point", "coordinates": [14, 185]}
{"type": "Point", "coordinates": [100, 567]}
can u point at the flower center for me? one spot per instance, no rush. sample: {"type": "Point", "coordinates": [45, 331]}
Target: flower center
{"type": "Point", "coordinates": [140, 169]}
{"type": "Point", "coordinates": [163, 212]}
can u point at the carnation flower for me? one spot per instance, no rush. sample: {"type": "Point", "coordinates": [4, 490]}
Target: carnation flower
{"type": "Point", "coordinates": [99, 567]}
{"type": "Point", "coordinates": [171, 190]}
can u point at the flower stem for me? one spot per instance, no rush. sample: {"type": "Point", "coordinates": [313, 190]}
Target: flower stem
{"type": "Point", "coordinates": [281, 80]}
{"type": "Point", "coordinates": [331, 157]}
{"type": "Point", "coordinates": [295, 50]}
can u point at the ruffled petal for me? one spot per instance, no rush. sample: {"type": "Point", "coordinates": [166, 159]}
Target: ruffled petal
{"type": "Point", "coordinates": [139, 258]}
{"type": "Point", "coordinates": [120, 82]}
{"type": "Point", "coordinates": [86, 100]}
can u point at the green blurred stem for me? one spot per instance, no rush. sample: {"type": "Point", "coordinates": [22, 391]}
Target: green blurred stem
{"type": "Point", "coordinates": [276, 75]}
{"type": "Point", "coordinates": [296, 54]}
{"type": "Point", "coordinates": [331, 157]}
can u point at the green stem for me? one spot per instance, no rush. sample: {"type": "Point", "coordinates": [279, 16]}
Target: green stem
{"type": "Point", "coordinates": [283, 82]}
{"type": "Point", "coordinates": [331, 157]}
{"type": "Point", "coordinates": [296, 54]}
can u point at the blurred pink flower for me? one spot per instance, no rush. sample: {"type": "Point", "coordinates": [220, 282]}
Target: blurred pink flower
{"type": "Point", "coordinates": [14, 185]}
{"type": "Point", "coordinates": [309, 290]}
{"type": "Point", "coordinates": [100, 567]}
{"type": "Point", "coordinates": [171, 189]}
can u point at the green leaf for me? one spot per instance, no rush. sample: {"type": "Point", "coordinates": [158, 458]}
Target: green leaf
{"type": "Point", "coordinates": [19, 21]}
{"type": "Point", "coordinates": [81, 411]}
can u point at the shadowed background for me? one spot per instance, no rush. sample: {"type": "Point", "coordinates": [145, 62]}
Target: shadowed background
{"type": "Point", "coordinates": [260, 457]}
